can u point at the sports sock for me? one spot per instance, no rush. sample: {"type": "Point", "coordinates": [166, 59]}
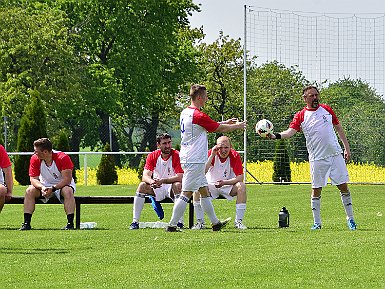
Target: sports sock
{"type": "Point", "coordinates": [347, 203]}
{"type": "Point", "coordinates": [178, 210]}
{"type": "Point", "coordinates": [27, 218]}
{"type": "Point", "coordinates": [240, 210]}
{"type": "Point", "coordinates": [208, 208]}
{"type": "Point", "coordinates": [138, 206]}
{"type": "Point", "coordinates": [316, 209]}
{"type": "Point", "coordinates": [200, 216]}
{"type": "Point", "coordinates": [70, 218]}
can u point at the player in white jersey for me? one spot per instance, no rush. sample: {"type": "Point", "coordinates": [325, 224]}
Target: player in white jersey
{"type": "Point", "coordinates": [6, 178]}
{"type": "Point", "coordinates": [50, 173]}
{"type": "Point", "coordinates": [318, 122]}
{"type": "Point", "coordinates": [162, 177]}
{"type": "Point", "coordinates": [193, 155]}
{"type": "Point", "coordinates": [224, 173]}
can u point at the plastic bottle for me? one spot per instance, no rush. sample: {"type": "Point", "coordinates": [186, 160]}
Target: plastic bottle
{"type": "Point", "coordinates": [283, 218]}
{"type": "Point", "coordinates": [88, 225]}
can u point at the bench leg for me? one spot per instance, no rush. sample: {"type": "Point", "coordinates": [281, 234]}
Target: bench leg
{"type": "Point", "coordinates": [191, 214]}
{"type": "Point", "coordinates": [77, 214]}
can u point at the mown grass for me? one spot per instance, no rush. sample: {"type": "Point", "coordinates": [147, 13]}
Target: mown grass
{"type": "Point", "coordinates": [261, 257]}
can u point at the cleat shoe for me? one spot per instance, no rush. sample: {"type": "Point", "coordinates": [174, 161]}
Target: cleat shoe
{"type": "Point", "coordinates": [180, 225]}
{"type": "Point", "coordinates": [69, 226]}
{"type": "Point", "coordinates": [239, 225]}
{"type": "Point", "coordinates": [352, 225]}
{"type": "Point", "coordinates": [316, 226]}
{"type": "Point", "coordinates": [25, 227]}
{"type": "Point", "coordinates": [221, 224]}
{"type": "Point", "coordinates": [172, 229]}
{"type": "Point", "coordinates": [198, 226]}
{"type": "Point", "coordinates": [134, 226]}
{"type": "Point", "coordinates": [157, 208]}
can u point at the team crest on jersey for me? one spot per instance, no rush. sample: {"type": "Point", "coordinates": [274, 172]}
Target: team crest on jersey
{"type": "Point", "coordinates": [325, 119]}
{"type": "Point", "coordinates": [225, 174]}
{"type": "Point", "coordinates": [55, 176]}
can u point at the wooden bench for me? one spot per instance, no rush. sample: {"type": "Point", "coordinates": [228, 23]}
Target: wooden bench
{"type": "Point", "coordinates": [99, 200]}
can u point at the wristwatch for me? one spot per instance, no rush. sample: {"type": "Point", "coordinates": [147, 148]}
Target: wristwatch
{"type": "Point", "coordinates": [53, 189]}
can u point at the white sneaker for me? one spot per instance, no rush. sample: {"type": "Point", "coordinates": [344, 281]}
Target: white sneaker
{"type": "Point", "coordinates": [198, 226]}
{"type": "Point", "coordinates": [239, 225]}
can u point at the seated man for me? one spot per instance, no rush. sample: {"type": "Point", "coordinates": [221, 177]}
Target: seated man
{"type": "Point", "coordinates": [224, 173]}
{"type": "Point", "coordinates": [6, 178]}
{"type": "Point", "coordinates": [50, 173]}
{"type": "Point", "coordinates": [162, 176]}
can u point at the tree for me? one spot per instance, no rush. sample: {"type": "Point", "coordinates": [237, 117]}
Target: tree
{"type": "Point", "coordinates": [106, 173]}
{"type": "Point", "coordinates": [32, 127]}
{"type": "Point", "coordinates": [275, 93]}
{"type": "Point", "coordinates": [362, 114]}
{"type": "Point", "coordinates": [60, 143]}
{"type": "Point", "coordinates": [281, 166]}
{"type": "Point", "coordinates": [221, 66]}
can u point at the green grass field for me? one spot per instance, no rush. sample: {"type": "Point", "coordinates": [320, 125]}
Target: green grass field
{"type": "Point", "coordinates": [263, 256]}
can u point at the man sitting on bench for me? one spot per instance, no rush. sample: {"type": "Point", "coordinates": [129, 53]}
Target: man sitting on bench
{"type": "Point", "coordinates": [50, 173]}
{"type": "Point", "coordinates": [162, 177]}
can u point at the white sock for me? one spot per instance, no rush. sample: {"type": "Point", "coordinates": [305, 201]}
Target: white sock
{"type": "Point", "coordinates": [199, 212]}
{"type": "Point", "coordinates": [138, 206]}
{"type": "Point", "coordinates": [316, 209]}
{"type": "Point", "coordinates": [347, 203]}
{"type": "Point", "coordinates": [178, 210]}
{"type": "Point", "coordinates": [240, 210]}
{"type": "Point", "coordinates": [208, 208]}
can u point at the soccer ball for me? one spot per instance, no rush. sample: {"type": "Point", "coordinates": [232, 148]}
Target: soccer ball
{"type": "Point", "coordinates": [264, 127]}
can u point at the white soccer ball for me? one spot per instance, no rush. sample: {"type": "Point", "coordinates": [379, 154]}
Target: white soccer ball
{"type": "Point", "coordinates": [264, 127]}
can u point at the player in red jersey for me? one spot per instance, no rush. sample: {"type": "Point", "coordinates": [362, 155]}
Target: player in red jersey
{"type": "Point", "coordinates": [50, 173]}
{"type": "Point", "coordinates": [6, 178]}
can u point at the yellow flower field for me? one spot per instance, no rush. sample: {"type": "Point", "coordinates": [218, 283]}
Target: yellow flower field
{"type": "Point", "coordinates": [262, 171]}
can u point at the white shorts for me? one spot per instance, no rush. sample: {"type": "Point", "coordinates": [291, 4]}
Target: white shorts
{"type": "Point", "coordinates": [57, 194]}
{"type": "Point", "coordinates": [223, 191]}
{"type": "Point", "coordinates": [193, 177]}
{"type": "Point", "coordinates": [163, 192]}
{"type": "Point", "coordinates": [333, 167]}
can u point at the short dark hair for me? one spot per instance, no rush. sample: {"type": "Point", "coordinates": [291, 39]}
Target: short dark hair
{"type": "Point", "coordinates": [162, 136]}
{"type": "Point", "coordinates": [43, 144]}
{"type": "Point", "coordinates": [308, 88]}
{"type": "Point", "coordinates": [197, 90]}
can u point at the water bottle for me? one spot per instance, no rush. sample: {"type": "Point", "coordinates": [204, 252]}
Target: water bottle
{"type": "Point", "coordinates": [283, 218]}
{"type": "Point", "coordinates": [88, 225]}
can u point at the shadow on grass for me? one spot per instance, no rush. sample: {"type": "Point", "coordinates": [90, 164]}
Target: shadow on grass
{"type": "Point", "coordinates": [33, 251]}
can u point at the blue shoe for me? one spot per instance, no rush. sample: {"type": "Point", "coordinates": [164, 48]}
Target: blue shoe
{"type": "Point", "coordinates": [316, 226]}
{"type": "Point", "coordinates": [157, 207]}
{"type": "Point", "coordinates": [180, 225]}
{"type": "Point", "coordinates": [352, 225]}
{"type": "Point", "coordinates": [134, 226]}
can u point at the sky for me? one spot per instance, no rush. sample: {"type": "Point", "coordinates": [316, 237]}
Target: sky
{"type": "Point", "coordinates": [228, 15]}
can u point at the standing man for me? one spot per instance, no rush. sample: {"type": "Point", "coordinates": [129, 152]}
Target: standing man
{"type": "Point", "coordinates": [325, 154]}
{"type": "Point", "coordinates": [224, 173]}
{"type": "Point", "coordinates": [6, 178]}
{"type": "Point", "coordinates": [50, 173]}
{"type": "Point", "coordinates": [193, 155]}
{"type": "Point", "coordinates": [162, 177]}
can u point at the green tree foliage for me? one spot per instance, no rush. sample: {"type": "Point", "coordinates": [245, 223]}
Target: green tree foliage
{"type": "Point", "coordinates": [274, 92]}
{"type": "Point", "coordinates": [106, 173]}
{"type": "Point", "coordinates": [362, 114]}
{"type": "Point", "coordinates": [32, 127]}
{"type": "Point", "coordinates": [281, 166]}
{"type": "Point", "coordinates": [60, 142]}
{"type": "Point", "coordinates": [221, 67]}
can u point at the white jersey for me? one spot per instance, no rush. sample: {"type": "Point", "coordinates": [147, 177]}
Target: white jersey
{"type": "Point", "coordinates": [317, 126]}
{"type": "Point", "coordinates": [194, 127]}
{"type": "Point", "coordinates": [220, 171]}
{"type": "Point", "coordinates": [50, 175]}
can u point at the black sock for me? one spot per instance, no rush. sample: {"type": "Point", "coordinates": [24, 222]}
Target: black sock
{"type": "Point", "coordinates": [70, 218]}
{"type": "Point", "coordinates": [27, 218]}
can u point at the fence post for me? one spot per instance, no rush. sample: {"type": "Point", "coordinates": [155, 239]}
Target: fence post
{"type": "Point", "coordinates": [85, 169]}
